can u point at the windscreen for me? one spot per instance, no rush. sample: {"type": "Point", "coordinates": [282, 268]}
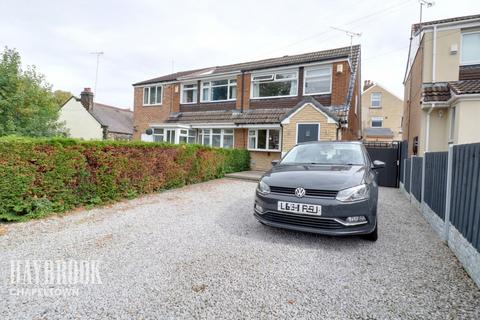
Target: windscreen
{"type": "Point", "coordinates": [325, 153]}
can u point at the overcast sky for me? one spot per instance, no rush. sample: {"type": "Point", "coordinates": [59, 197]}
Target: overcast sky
{"type": "Point", "coordinates": [141, 38]}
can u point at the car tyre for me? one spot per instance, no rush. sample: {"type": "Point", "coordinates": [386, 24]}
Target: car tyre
{"type": "Point", "coordinates": [373, 236]}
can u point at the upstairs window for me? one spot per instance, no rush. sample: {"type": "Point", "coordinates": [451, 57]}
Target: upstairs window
{"type": "Point", "coordinates": [189, 93]}
{"type": "Point", "coordinates": [376, 100]}
{"type": "Point", "coordinates": [282, 84]}
{"type": "Point", "coordinates": [318, 80]}
{"type": "Point", "coordinates": [470, 52]}
{"type": "Point", "coordinates": [152, 95]}
{"type": "Point", "coordinates": [219, 90]}
{"type": "Point", "coordinates": [377, 122]}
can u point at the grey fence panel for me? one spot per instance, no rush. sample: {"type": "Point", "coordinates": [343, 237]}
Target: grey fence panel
{"type": "Point", "coordinates": [465, 203]}
{"type": "Point", "coordinates": [407, 174]}
{"type": "Point", "coordinates": [403, 156]}
{"type": "Point", "coordinates": [416, 183]}
{"type": "Point", "coordinates": [435, 189]}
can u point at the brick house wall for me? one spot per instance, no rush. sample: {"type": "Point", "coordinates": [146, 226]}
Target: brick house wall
{"type": "Point", "coordinates": [412, 113]}
{"type": "Point", "coordinates": [143, 116]}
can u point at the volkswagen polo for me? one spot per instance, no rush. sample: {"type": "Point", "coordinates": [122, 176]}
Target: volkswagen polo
{"type": "Point", "coordinates": [321, 187]}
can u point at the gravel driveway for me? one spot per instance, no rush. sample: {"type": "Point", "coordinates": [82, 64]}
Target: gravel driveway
{"type": "Point", "coordinates": [197, 252]}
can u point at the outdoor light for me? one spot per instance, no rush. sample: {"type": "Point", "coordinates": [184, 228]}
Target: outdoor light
{"type": "Point", "coordinates": [258, 208]}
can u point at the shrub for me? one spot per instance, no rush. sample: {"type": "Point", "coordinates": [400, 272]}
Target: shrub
{"type": "Point", "coordinates": [45, 176]}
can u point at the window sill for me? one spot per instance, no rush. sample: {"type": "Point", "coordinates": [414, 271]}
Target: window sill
{"type": "Point", "coordinates": [264, 150]}
{"type": "Point", "coordinates": [219, 101]}
{"type": "Point", "coordinates": [152, 105]}
{"type": "Point", "coordinates": [317, 93]}
{"type": "Point", "coordinates": [375, 107]}
{"type": "Point", "coordinates": [273, 97]}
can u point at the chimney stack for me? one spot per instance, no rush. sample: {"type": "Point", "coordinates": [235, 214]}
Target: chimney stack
{"type": "Point", "coordinates": [367, 84]}
{"type": "Point", "coordinates": [86, 98]}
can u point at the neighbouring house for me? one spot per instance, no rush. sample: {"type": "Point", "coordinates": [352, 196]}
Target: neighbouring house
{"type": "Point", "coordinates": [265, 106]}
{"type": "Point", "coordinates": [381, 113]}
{"type": "Point", "coordinates": [442, 85]}
{"type": "Point", "coordinates": [88, 120]}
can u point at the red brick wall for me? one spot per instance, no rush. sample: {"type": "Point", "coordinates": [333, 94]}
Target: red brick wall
{"type": "Point", "coordinates": [246, 92]}
{"type": "Point", "coordinates": [241, 136]}
{"type": "Point", "coordinates": [340, 83]}
{"type": "Point", "coordinates": [143, 116]}
{"type": "Point", "coordinates": [412, 107]}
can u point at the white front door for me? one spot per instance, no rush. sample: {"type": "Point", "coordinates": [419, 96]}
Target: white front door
{"type": "Point", "coordinates": [170, 135]}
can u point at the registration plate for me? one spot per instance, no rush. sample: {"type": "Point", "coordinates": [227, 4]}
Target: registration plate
{"type": "Point", "coordinates": [302, 208]}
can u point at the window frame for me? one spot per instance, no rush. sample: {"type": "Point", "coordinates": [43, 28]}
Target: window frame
{"type": "Point", "coordinates": [182, 89]}
{"type": "Point", "coordinates": [267, 149]}
{"type": "Point", "coordinates": [201, 137]}
{"type": "Point", "coordinates": [310, 123]}
{"type": "Point", "coordinates": [379, 100]}
{"type": "Point", "coordinates": [318, 67]}
{"type": "Point", "coordinates": [149, 91]}
{"type": "Point", "coordinates": [467, 63]}
{"type": "Point", "coordinates": [273, 73]}
{"type": "Point", "coordinates": [210, 86]}
{"type": "Point", "coordinates": [376, 119]}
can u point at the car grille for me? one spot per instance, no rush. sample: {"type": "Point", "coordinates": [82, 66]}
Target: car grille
{"type": "Point", "coordinates": [308, 192]}
{"type": "Point", "coordinates": [303, 221]}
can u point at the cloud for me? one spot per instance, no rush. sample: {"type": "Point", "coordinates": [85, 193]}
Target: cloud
{"type": "Point", "coordinates": [141, 38]}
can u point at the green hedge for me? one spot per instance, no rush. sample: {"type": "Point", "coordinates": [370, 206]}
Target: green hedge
{"type": "Point", "coordinates": [44, 176]}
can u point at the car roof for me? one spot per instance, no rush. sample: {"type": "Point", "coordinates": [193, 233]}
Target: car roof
{"type": "Point", "coordinates": [334, 141]}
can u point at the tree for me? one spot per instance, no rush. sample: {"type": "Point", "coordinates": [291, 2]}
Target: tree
{"type": "Point", "coordinates": [27, 104]}
{"type": "Point", "coordinates": [61, 96]}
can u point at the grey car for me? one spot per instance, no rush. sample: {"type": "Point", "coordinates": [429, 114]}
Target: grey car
{"type": "Point", "coordinates": [321, 187]}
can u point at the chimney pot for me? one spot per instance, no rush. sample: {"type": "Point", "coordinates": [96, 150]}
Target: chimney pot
{"type": "Point", "coordinates": [367, 84]}
{"type": "Point", "coordinates": [86, 98]}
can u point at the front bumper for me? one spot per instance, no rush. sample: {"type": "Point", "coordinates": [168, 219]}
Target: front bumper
{"type": "Point", "coordinates": [331, 222]}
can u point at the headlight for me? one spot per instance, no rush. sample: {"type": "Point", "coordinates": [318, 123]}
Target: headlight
{"type": "Point", "coordinates": [357, 193]}
{"type": "Point", "coordinates": [263, 187]}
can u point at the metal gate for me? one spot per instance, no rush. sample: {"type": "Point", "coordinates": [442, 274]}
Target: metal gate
{"type": "Point", "coordinates": [388, 152]}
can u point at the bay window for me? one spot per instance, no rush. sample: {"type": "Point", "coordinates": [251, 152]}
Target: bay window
{"type": "Point", "coordinates": [219, 138]}
{"type": "Point", "coordinates": [189, 93]}
{"type": "Point", "coordinates": [318, 80]}
{"type": "Point", "coordinates": [281, 84]}
{"type": "Point", "coordinates": [219, 90]}
{"type": "Point", "coordinates": [264, 139]}
{"type": "Point", "coordinates": [158, 135]}
{"type": "Point", "coordinates": [187, 136]}
{"type": "Point", "coordinates": [152, 95]}
{"type": "Point", "coordinates": [470, 51]}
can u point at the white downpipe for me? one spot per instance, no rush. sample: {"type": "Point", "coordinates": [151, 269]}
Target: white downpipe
{"type": "Point", "coordinates": [434, 54]}
{"type": "Point", "coordinates": [427, 134]}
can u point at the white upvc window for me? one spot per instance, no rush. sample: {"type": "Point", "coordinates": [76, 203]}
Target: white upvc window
{"type": "Point", "coordinates": [219, 138]}
{"type": "Point", "coordinates": [377, 122]}
{"type": "Point", "coordinates": [470, 49]}
{"type": "Point", "coordinates": [187, 136]}
{"type": "Point", "coordinates": [158, 135]}
{"type": "Point", "coordinates": [318, 80]}
{"type": "Point", "coordinates": [264, 139]}
{"type": "Point", "coordinates": [275, 84]}
{"type": "Point", "coordinates": [376, 100]}
{"type": "Point", "coordinates": [189, 93]}
{"type": "Point", "coordinates": [219, 90]}
{"type": "Point", "coordinates": [152, 95]}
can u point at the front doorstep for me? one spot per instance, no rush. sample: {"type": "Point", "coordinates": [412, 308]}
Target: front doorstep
{"type": "Point", "coordinates": [253, 175]}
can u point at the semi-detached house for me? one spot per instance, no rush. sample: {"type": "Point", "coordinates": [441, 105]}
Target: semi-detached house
{"type": "Point", "coordinates": [265, 106]}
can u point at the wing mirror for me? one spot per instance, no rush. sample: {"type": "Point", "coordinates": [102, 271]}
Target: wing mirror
{"type": "Point", "coordinates": [377, 164]}
{"type": "Point", "coordinates": [275, 162]}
